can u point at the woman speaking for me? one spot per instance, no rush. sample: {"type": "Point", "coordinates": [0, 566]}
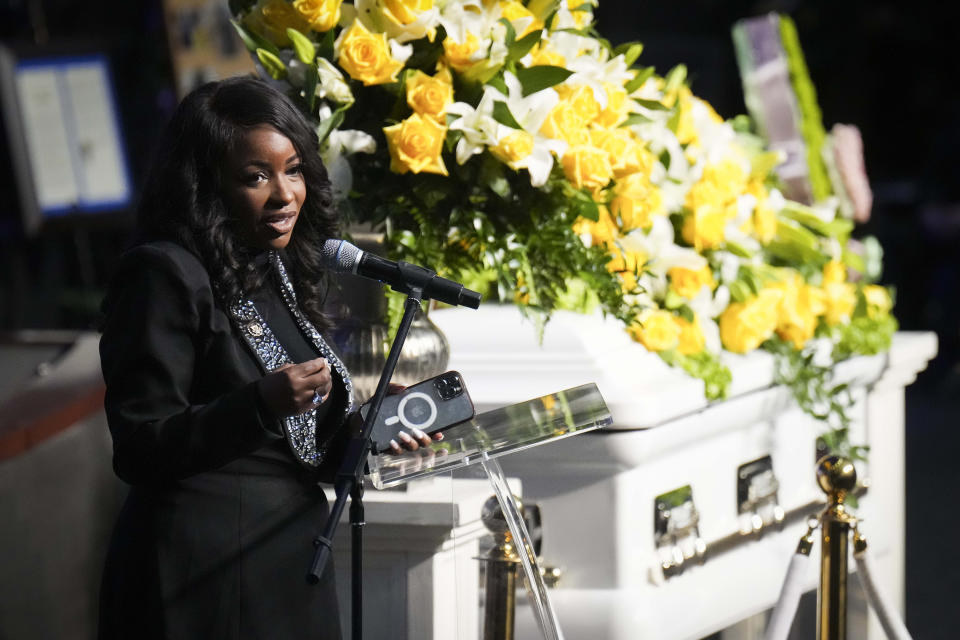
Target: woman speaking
{"type": "Point", "coordinates": [225, 402]}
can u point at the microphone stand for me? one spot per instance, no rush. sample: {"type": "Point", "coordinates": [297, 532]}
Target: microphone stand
{"type": "Point", "coordinates": [349, 479]}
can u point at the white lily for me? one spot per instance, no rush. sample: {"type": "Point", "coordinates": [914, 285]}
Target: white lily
{"type": "Point", "coordinates": [597, 72]}
{"type": "Point", "coordinates": [331, 83]}
{"type": "Point", "coordinates": [660, 139]}
{"type": "Point", "coordinates": [372, 15]}
{"type": "Point", "coordinates": [715, 138]}
{"type": "Point", "coordinates": [529, 111]}
{"type": "Point", "coordinates": [462, 17]}
{"type": "Point", "coordinates": [661, 252]}
{"type": "Point", "coordinates": [707, 305]}
{"type": "Point", "coordinates": [539, 161]}
{"type": "Point", "coordinates": [478, 126]}
{"type": "Point", "coordinates": [732, 230]}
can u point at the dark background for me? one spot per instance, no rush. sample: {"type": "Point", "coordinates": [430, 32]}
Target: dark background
{"type": "Point", "coordinates": [888, 67]}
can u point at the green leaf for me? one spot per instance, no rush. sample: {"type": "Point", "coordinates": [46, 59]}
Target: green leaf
{"type": "Point", "coordinates": [302, 46]}
{"type": "Point", "coordinates": [638, 80]}
{"type": "Point", "coordinates": [739, 291]}
{"type": "Point", "coordinates": [325, 46]}
{"type": "Point", "coordinates": [498, 83]}
{"type": "Point", "coordinates": [310, 79]}
{"type": "Point", "coordinates": [511, 36]}
{"type": "Point", "coordinates": [273, 65]}
{"type": "Point", "coordinates": [653, 105]}
{"type": "Point", "coordinates": [542, 9]}
{"type": "Point", "coordinates": [630, 51]}
{"type": "Point", "coordinates": [587, 208]}
{"type": "Point", "coordinates": [738, 250]}
{"type": "Point", "coordinates": [675, 78]}
{"type": "Point", "coordinates": [797, 235]}
{"type": "Point", "coordinates": [634, 118]}
{"type": "Point", "coordinates": [331, 123]}
{"type": "Point", "coordinates": [501, 113]}
{"type": "Point", "coordinates": [802, 214]}
{"type": "Point", "coordinates": [253, 40]}
{"type": "Point", "coordinates": [541, 77]}
{"type": "Point", "coordinates": [854, 261]}
{"type": "Point", "coordinates": [763, 163]}
{"type": "Point", "coordinates": [522, 46]}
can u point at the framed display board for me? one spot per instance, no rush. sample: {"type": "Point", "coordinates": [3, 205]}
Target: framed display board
{"type": "Point", "coordinates": [64, 135]}
{"type": "Point", "coordinates": [203, 44]}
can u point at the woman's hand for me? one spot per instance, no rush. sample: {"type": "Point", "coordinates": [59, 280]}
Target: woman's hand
{"type": "Point", "coordinates": [412, 441]}
{"type": "Point", "coordinates": [294, 388]}
{"type": "Point", "coordinates": [404, 441]}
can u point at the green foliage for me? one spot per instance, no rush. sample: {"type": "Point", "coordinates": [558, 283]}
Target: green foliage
{"type": "Point", "coordinates": [705, 366]}
{"type": "Point", "coordinates": [541, 77]}
{"type": "Point", "coordinates": [483, 224]}
{"type": "Point", "coordinates": [811, 120]}
{"type": "Point", "coordinates": [813, 390]}
{"type": "Point", "coordinates": [865, 336]}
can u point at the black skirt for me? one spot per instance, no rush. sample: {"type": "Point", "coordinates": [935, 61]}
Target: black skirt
{"type": "Point", "coordinates": [224, 554]}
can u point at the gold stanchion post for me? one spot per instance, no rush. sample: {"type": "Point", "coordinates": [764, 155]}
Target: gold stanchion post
{"type": "Point", "coordinates": [838, 478]}
{"type": "Point", "coordinates": [500, 591]}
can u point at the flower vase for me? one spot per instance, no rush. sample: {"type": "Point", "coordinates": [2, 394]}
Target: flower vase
{"type": "Point", "coordinates": [362, 337]}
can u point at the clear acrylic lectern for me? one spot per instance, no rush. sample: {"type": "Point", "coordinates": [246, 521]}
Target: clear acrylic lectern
{"type": "Point", "coordinates": [493, 434]}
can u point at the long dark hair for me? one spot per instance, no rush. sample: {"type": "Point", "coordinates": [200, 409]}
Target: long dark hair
{"type": "Point", "coordinates": [183, 198]}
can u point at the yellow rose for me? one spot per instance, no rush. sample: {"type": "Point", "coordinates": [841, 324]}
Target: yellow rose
{"type": "Point", "coordinates": [841, 300]}
{"type": "Point", "coordinates": [703, 228]}
{"type": "Point", "coordinates": [763, 222]}
{"type": "Point", "coordinates": [602, 231]}
{"type": "Point", "coordinates": [745, 325]}
{"type": "Point", "coordinates": [430, 96]}
{"type": "Point", "coordinates": [686, 130]}
{"type": "Point", "coordinates": [415, 145]}
{"type": "Point", "coordinates": [656, 330]}
{"type": "Point", "coordinates": [636, 201]}
{"type": "Point", "coordinates": [581, 98]}
{"type": "Point", "coordinates": [514, 147]}
{"type": "Point", "coordinates": [272, 18]}
{"type": "Point", "coordinates": [405, 11]}
{"type": "Point", "coordinates": [459, 55]}
{"type": "Point", "coordinates": [543, 54]}
{"type": "Point", "coordinates": [366, 56]}
{"type": "Point", "coordinates": [688, 282]}
{"type": "Point", "coordinates": [691, 339]}
{"type": "Point", "coordinates": [840, 297]}
{"type": "Point", "coordinates": [582, 18]}
{"type": "Point", "coordinates": [616, 109]}
{"type": "Point", "coordinates": [563, 123]}
{"type": "Point", "coordinates": [627, 264]}
{"type": "Point", "coordinates": [878, 300]}
{"type": "Point", "coordinates": [587, 167]}
{"type": "Point", "coordinates": [627, 154]}
{"type": "Point", "coordinates": [516, 13]}
{"type": "Point", "coordinates": [834, 271]}
{"type": "Point", "coordinates": [798, 311]}
{"type": "Point", "coordinates": [322, 15]}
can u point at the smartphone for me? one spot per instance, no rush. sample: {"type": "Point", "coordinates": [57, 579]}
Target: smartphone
{"type": "Point", "coordinates": [430, 406]}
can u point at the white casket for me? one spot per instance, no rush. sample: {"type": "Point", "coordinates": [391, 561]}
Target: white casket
{"type": "Point", "coordinates": [598, 492]}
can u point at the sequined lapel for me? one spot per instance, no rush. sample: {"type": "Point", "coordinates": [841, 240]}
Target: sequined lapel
{"type": "Point", "coordinates": [300, 430]}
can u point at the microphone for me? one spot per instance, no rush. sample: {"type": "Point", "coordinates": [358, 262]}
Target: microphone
{"type": "Point", "coordinates": [343, 257]}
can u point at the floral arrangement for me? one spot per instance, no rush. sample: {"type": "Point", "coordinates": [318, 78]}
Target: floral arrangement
{"type": "Point", "coordinates": [509, 146]}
